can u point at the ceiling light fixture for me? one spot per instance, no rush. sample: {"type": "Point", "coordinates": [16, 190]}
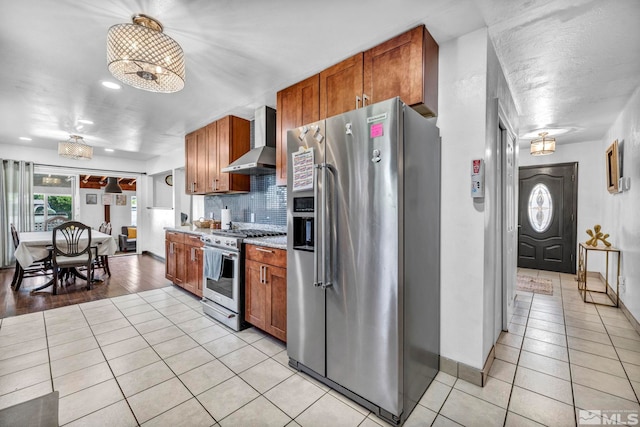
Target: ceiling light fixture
{"type": "Point", "coordinates": [543, 145]}
{"type": "Point", "coordinates": [24, 138]}
{"type": "Point", "coordinates": [109, 150]}
{"type": "Point", "coordinates": [75, 148]}
{"type": "Point", "coordinates": [142, 56]}
{"type": "Point", "coordinates": [111, 85]}
{"type": "Point", "coordinates": [85, 121]}
{"type": "Point", "coordinates": [112, 186]}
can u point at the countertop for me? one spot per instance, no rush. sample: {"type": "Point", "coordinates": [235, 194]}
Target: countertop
{"type": "Point", "coordinates": [277, 242]}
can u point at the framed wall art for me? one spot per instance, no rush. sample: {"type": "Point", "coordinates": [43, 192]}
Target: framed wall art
{"type": "Point", "coordinates": [91, 199]}
{"type": "Point", "coordinates": [107, 199]}
{"type": "Point", "coordinates": [613, 170]}
{"type": "Point", "coordinates": [121, 200]}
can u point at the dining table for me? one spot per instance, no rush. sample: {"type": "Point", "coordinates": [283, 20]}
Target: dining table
{"type": "Point", "coordinates": [36, 245]}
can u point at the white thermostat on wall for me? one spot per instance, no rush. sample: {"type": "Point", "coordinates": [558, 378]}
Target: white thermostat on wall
{"type": "Point", "coordinates": [477, 178]}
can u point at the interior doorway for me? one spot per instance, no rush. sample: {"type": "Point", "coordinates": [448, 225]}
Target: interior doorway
{"type": "Point", "coordinates": [547, 226]}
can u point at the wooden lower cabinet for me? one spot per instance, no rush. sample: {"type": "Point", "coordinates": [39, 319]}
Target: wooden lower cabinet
{"type": "Point", "coordinates": [183, 261]}
{"type": "Point", "coordinates": [266, 290]}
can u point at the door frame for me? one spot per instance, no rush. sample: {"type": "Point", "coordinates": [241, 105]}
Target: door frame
{"type": "Point", "coordinates": [505, 265]}
{"type": "Point", "coordinates": [574, 219]}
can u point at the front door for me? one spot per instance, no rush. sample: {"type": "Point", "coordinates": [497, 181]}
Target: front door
{"type": "Point", "coordinates": [547, 217]}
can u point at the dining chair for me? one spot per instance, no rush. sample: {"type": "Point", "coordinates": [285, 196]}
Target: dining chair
{"type": "Point", "coordinates": [41, 267]}
{"type": "Point", "coordinates": [53, 222]}
{"type": "Point", "coordinates": [102, 261]}
{"type": "Point", "coordinates": [71, 250]}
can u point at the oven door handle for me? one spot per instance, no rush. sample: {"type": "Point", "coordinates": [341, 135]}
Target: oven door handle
{"type": "Point", "coordinates": [227, 254]}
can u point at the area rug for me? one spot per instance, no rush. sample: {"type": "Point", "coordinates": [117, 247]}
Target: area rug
{"type": "Point", "coordinates": [535, 284]}
{"type": "Point", "coordinates": [39, 412]}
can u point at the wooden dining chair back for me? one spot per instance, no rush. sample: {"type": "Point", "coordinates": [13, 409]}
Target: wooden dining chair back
{"type": "Point", "coordinates": [15, 237]}
{"type": "Point", "coordinates": [71, 250]}
{"type": "Point", "coordinates": [102, 261]}
{"type": "Point", "coordinates": [53, 222]}
{"type": "Point", "coordinates": [41, 267]}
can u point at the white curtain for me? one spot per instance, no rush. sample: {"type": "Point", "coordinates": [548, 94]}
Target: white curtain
{"type": "Point", "coordinates": [16, 204]}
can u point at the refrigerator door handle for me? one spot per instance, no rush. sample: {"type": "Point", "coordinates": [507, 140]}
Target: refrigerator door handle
{"type": "Point", "coordinates": [316, 250]}
{"type": "Point", "coordinates": [326, 252]}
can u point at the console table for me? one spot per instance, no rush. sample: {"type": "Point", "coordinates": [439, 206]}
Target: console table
{"type": "Point", "coordinates": [583, 287]}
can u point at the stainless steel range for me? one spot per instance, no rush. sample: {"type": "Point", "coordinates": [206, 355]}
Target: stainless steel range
{"type": "Point", "coordinates": [223, 274]}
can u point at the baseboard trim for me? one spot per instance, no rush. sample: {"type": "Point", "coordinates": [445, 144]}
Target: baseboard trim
{"type": "Point", "coordinates": [634, 322]}
{"type": "Point", "coordinates": [152, 255]}
{"type": "Point", "coordinates": [468, 373]}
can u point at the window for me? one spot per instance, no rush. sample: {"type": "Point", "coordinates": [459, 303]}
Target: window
{"type": "Point", "coordinates": [540, 208]}
{"type": "Point", "coordinates": [52, 197]}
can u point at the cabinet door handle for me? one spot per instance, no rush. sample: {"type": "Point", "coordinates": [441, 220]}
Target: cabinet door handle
{"type": "Point", "coordinates": [193, 254]}
{"type": "Point", "coordinates": [264, 250]}
{"type": "Point", "coordinates": [261, 274]}
{"type": "Point", "coordinates": [265, 275]}
{"type": "Point", "coordinates": [171, 248]}
{"type": "Point", "coordinates": [357, 102]}
{"type": "Point", "coordinates": [365, 98]}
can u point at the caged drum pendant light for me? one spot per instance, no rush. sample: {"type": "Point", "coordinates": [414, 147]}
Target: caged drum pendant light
{"type": "Point", "coordinates": [75, 148]}
{"type": "Point", "coordinates": [543, 145]}
{"type": "Point", "coordinates": [142, 56]}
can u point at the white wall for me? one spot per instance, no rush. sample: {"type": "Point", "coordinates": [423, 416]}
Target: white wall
{"type": "Point", "coordinates": [498, 98]}
{"type": "Point", "coordinates": [620, 211]}
{"type": "Point", "coordinates": [462, 95]}
{"type": "Point", "coordinates": [168, 161]}
{"type": "Point", "coordinates": [50, 157]}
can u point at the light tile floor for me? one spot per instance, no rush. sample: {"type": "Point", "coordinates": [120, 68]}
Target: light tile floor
{"type": "Point", "coordinates": [154, 359]}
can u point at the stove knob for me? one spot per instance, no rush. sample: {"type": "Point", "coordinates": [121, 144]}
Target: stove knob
{"type": "Point", "coordinates": [233, 244]}
{"type": "Point", "coordinates": [217, 241]}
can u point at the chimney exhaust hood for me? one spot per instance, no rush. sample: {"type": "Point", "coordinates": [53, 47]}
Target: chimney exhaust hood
{"type": "Point", "coordinates": [260, 160]}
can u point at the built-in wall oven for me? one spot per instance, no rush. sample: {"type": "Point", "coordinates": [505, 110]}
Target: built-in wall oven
{"type": "Point", "coordinates": [223, 280]}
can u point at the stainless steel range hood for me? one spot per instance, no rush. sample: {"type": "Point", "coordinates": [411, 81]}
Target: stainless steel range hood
{"type": "Point", "coordinates": [261, 160]}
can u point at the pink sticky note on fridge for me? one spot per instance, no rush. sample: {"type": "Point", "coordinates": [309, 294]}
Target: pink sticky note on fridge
{"type": "Point", "coordinates": [376, 130]}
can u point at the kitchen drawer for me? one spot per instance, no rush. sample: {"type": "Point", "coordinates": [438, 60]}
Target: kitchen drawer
{"type": "Point", "coordinates": [193, 240]}
{"type": "Point", "coordinates": [174, 236]}
{"type": "Point", "coordinates": [266, 255]}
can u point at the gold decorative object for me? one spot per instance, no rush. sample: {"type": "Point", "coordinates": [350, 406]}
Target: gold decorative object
{"type": "Point", "coordinates": [596, 235]}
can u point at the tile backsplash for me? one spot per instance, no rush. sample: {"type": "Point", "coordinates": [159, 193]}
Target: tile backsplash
{"type": "Point", "coordinates": [266, 201]}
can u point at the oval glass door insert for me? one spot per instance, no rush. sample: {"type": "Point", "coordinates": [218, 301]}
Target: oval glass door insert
{"type": "Point", "coordinates": [540, 208]}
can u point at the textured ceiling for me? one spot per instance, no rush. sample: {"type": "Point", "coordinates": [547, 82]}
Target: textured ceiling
{"type": "Point", "coordinates": [569, 63]}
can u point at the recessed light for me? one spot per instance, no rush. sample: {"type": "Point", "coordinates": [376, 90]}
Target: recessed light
{"type": "Point", "coordinates": [85, 121]}
{"type": "Point", "coordinates": [24, 138]}
{"type": "Point", "coordinates": [111, 85]}
{"type": "Point", "coordinates": [110, 150]}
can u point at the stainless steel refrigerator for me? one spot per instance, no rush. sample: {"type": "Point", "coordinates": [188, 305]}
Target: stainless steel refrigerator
{"type": "Point", "coordinates": [363, 259]}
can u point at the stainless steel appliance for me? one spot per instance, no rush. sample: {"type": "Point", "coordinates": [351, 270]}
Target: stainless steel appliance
{"type": "Point", "coordinates": [363, 294]}
{"type": "Point", "coordinates": [223, 296]}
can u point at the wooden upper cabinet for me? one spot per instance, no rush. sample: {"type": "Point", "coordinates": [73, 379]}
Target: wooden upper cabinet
{"type": "Point", "coordinates": [405, 66]}
{"type": "Point", "coordinates": [213, 147]}
{"type": "Point", "coordinates": [211, 131]}
{"type": "Point", "coordinates": [190, 161]}
{"type": "Point", "coordinates": [341, 87]}
{"type": "Point", "coordinates": [195, 162]}
{"type": "Point", "coordinates": [296, 105]}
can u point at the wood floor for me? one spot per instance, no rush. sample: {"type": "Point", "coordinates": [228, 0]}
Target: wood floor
{"type": "Point", "coordinates": [129, 274]}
